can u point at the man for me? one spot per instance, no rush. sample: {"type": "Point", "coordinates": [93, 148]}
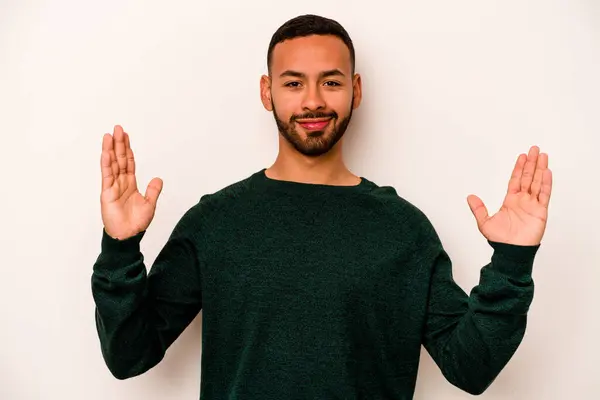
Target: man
{"type": "Point", "coordinates": [315, 283]}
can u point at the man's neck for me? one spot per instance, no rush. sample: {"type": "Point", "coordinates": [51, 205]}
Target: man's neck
{"type": "Point", "coordinates": [328, 169]}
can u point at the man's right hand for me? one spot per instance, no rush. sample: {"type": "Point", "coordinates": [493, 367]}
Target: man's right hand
{"type": "Point", "coordinates": [125, 211]}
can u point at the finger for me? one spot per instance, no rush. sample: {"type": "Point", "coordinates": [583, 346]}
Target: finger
{"type": "Point", "coordinates": [529, 169]}
{"type": "Point", "coordinates": [478, 209]}
{"type": "Point", "coordinates": [542, 165]}
{"type": "Point", "coordinates": [153, 190]}
{"type": "Point", "coordinates": [108, 145]}
{"type": "Point", "coordinates": [129, 154]}
{"type": "Point", "coordinates": [113, 163]}
{"type": "Point", "coordinates": [546, 190]}
{"type": "Point", "coordinates": [514, 184]}
{"type": "Point", "coordinates": [107, 142]}
{"type": "Point", "coordinates": [105, 163]}
{"type": "Point", "coordinates": [119, 139]}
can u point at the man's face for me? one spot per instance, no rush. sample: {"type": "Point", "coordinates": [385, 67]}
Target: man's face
{"type": "Point", "coordinates": [311, 92]}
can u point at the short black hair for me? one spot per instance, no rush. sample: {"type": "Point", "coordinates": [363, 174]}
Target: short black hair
{"type": "Point", "coordinates": [307, 25]}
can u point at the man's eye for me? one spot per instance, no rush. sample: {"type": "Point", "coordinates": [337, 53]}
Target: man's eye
{"type": "Point", "coordinates": [292, 84]}
{"type": "Point", "coordinates": [332, 83]}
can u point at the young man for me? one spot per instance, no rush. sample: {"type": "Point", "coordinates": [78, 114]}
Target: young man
{"type": "Point", "coordinates": [315, 283]}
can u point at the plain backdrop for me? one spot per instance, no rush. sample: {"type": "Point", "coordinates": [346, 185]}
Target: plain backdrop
{"type": "Point", "coordinates": [453, 92]}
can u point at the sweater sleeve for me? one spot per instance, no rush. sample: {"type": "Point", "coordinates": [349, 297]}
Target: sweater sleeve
{"type": "Point", "coordinates": [138, 314]}
{"type": "Point", "coordinates": [472, 337]}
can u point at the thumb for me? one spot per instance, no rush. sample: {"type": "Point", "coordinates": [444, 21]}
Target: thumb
{"type": "Point", "coordinates": [153, 190]}
{"type": "Point", "coordinates": [478, 209]}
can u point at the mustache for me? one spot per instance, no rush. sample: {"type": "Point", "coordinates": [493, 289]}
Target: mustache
{"type": "Point", "coordinates": [316, 114]}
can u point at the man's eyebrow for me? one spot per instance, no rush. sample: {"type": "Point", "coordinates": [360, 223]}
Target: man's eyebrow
{"type": "Point", "coordinates": [293, 74]}
{"type": "Point", "coordinates": [332, 72]}
{"type": "Point", "coordinates": [324, 74]}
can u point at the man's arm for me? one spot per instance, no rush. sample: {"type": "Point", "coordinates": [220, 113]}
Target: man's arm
{"type": "Point", "coordinates": [472, 338]}
{"type": "Point", "coordinates": [139, 315]}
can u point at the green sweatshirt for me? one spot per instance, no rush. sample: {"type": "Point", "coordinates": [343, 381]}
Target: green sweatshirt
{"type": "Point", "coordinates": [310, 292]}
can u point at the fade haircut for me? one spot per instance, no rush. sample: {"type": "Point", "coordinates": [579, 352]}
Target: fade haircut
{"type": "Point", "coordinates": [307, 25]}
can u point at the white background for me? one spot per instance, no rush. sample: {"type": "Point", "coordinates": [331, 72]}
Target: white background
{"type": "Point", "coordinates": [453, 91]}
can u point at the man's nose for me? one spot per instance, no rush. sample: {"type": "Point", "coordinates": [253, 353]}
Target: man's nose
{"type": "Point", "coordinates": [313, 99]}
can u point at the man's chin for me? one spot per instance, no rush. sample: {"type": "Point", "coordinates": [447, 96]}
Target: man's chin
{"type": "Point", "coordinates": [312, 143]}
{"type": "Point", "coordinates": [313, 152]}
{"type": "Point", "coordinates": [314, 134]}
{"type": "Point", "coordinates": [315, 149]}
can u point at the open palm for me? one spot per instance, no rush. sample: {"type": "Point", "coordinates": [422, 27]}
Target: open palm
{"type": "Point", "coordinates": [125, 211]}
{"type": "Point", "coordinates": [521, 220]}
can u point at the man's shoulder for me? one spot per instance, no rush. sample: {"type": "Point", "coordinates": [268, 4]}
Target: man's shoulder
{"type": "Point", "coordinates": [231, 194]}
{"type": "Point", "coordinates": [391, 200]}
{"type": "Point", "coordinates": [401, 213]}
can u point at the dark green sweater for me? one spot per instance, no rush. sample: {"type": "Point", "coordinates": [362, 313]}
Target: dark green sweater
{"type": "Point", "coordinates": [310, 292]}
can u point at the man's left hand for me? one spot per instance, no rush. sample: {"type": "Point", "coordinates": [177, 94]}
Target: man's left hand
{"type": "Point", "coordinates": [522, 217]}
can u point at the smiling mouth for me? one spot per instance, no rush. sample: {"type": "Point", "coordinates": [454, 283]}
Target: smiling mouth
{"type": "Point", "coordinates": [315, 124]}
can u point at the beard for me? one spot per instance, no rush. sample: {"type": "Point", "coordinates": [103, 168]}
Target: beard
{"type": "Point", "coordinates": [316, 143]}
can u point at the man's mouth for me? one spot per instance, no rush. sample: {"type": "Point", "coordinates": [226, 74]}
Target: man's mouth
{"type": "Point", "coordinates": [315, 124]}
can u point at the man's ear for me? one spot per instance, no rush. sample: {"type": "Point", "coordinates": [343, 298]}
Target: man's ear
{"type": "Point", "coordinates": [357, 89]}
{"type": "Point", "coordinates": [265, 92]}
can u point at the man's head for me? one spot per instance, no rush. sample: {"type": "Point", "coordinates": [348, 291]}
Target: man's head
{"type": "Point", "coordinates": [311, 87]}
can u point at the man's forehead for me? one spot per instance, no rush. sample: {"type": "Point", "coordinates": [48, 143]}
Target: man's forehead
{"type": "Point", "coordinates": [311, 53]}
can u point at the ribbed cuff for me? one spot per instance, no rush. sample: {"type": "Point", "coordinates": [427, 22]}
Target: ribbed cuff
{"type": "Point", "coordinates": [129, 245]}
{"type": "Point", "coordinates": [513, 260]}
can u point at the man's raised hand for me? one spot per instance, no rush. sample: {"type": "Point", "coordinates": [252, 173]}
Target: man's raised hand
{"type": "Point", "coordinates": [125, 211]}
{"type": "Point", "coordinates": [522, 217]}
